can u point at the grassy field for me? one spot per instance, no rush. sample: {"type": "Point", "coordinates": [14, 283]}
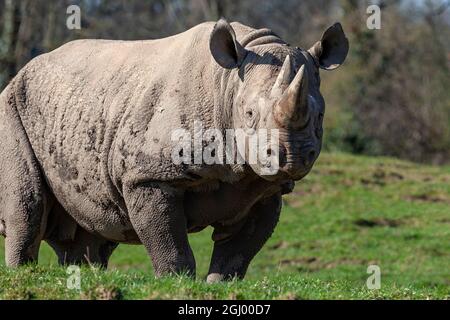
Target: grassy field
{"type": "Point", "coordinates": [349, 213]}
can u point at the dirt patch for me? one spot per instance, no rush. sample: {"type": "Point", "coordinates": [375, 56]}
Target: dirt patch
{"type": "Point", "coordinates": [280, 245]}
{"type": "Point", "coordinates": [381, 177]}
{"type": "Point", "coordinates": [315, 264]}
{"type": "Point", "coordinates": [345, 261]}
{"type": "Point", "coordinates": [396, 176]}
{"type": "Point", "coordinates": [366, 182]}
{"type": "Point", "coordinates": [348, 182]}
{"type": "Point", "coordinates": [307, 189]}
{"type": "Point", "coordinates": [299, 261]}
{"type": "Point", "coordinates": [331, 172]}
{"type": "Point", "coordinates": [377, 222]}
{"type": "Point", "coordinates": [429, 197]}
{"type": "Point", "coordinates": [295, 199]}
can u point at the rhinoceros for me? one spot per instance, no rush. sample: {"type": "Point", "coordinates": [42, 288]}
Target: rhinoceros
{"type": "Point", "coordinates": [86, 149]}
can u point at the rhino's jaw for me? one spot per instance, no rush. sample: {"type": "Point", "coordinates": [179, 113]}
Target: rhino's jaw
{"type": "Point", "coordinates": [298, 175]}
{"type": "Point", "coordinates": [283, 177]}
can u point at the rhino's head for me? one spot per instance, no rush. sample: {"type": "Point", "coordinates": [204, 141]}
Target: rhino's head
{"type": "Point", "coordinates": [277, 86]}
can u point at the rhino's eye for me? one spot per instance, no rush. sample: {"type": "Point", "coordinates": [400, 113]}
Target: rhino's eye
{"type": "Point", "coordinates": [250, 117]}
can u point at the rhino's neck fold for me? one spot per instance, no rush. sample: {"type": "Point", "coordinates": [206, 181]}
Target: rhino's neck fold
{"type": "Point", "coordinates": [223, 99]}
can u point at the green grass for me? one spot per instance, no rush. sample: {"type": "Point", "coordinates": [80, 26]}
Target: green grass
{"type": "Point", "coordinates": [349, 213]}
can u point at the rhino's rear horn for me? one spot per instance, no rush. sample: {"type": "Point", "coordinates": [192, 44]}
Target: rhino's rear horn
{"type": "Point", "coordinates": [283, 79]}
{"type": "Point", "coordinates": [292, 109]}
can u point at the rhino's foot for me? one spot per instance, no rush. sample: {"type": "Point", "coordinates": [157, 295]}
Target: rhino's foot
{"type": "Point", "coordinates": [219, 277]}
{"type": "Point", "coordinates": [214, 278]}
{"type": "Point", "coordinates": [184, 265]}
{"type": "Point", "coordinates": [22, 241]}
{"type": "Point", "coordinates": [16, 254]}
{"type": "Point", "coordinates": [228, 267]}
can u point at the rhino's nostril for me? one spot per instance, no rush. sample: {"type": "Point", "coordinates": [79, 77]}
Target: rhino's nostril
{"type": "Point", "coordinates": [309, 157]}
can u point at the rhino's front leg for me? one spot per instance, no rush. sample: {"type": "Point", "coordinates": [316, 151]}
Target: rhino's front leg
{"type": "Point", "coordinates": [231, 257]}
{"type": "Point", "coordinates": [157, 215]}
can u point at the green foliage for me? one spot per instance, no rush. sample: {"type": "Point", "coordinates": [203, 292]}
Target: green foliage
{"type": "Point", "coordinates": [396, 86]}
{"type": "Point", "coordinates": [344, 133]}
{"type": "Point", "coordinates": [349, 213]}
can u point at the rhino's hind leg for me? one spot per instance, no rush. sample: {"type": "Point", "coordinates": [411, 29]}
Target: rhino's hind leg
{"type": "Point", "coordinates": [231, 257]}
{"type": "Point", "coordinates": [23, 195]}
{"type": "Point", "coordinates": [24, 228]}
{"type": "Point", "coordinates": [85, 248]}
{"type": "Point", "coordinates": [74, 245]}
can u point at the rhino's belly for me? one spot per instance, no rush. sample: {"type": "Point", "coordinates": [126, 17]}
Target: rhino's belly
{"type": "Point", "coordinates": [105, 220]}
{"type": "Point", "coordinates": [95, 212]}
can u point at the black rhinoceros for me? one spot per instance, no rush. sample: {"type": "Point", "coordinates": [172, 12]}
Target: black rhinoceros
{"type": "Point", "coordinates": [86, 154]}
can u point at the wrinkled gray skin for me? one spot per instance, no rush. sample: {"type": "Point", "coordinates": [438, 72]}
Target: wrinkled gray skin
{"type": "Point", "coordinates": [85, 160]}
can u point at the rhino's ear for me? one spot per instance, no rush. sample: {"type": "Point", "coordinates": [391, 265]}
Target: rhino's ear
{"type": "Point", "coordinates": [225, 49]}
{"type": "Point", "coordinates": [332, 49]}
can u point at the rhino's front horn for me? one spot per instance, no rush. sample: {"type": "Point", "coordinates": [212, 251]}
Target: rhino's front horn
{"type": "Point", "coordinates": [292, 109]}
{"type": "Point", "coordinates": [283, 79]}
